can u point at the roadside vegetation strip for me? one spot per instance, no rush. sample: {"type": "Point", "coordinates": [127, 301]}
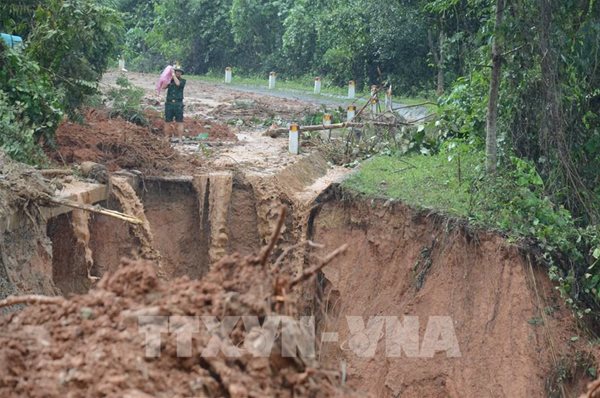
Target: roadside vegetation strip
{"type": "Point", "coordinates": [418, 180]}
{"type": "Point", "coordinates": [515, 202]}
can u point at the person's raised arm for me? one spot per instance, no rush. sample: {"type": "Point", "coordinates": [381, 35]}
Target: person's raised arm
{"type": "Point", "coordinates": [175, 79]}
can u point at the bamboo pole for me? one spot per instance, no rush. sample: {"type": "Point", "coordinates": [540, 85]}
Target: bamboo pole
{"type": "Point", "coordinates": [414, 105]}
{"type": "Point", "coordinates": [31, 299]}
{"type": "Point", "coordinates": [95, 209]}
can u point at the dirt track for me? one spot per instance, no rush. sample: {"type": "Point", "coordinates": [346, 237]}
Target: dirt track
{"type": "Point", "coordinates": [247, 114]}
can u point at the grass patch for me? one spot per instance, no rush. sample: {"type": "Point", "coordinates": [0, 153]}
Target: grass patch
{"type": "Point", "coordinates": [515, 201]}
{"type": "Point", "coordinates": [419, 180]}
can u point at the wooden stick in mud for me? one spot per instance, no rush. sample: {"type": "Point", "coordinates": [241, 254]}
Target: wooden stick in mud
{"type": "Point", "coordinates": [31, 299]}
{"type": "Point", "coordinates": [96, 209]}
{"type": "Point", "coordinates": [267, 250]}
{"type": "Point", "coordinates": [311, 271]}
{"type": "Point", "coordinates": [277, 132]}
{"type": "Point", "coordinates": [55, 172]}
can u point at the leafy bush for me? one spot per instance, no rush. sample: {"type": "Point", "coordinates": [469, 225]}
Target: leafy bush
{"type": "Point", "coordinates": [463, 110]}
{"type": "Point", "coordinates": [30, 107]}
{"type": "Point", "coordinates": [516, 202]}
{"type": "Point", "coordinates": [73, 41]}
{"type": "Point", "coordinates": [125, 102]}
{"type": "Point", "coordinates": [16, 139]}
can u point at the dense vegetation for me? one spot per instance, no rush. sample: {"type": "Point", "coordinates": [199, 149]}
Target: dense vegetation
{"type": "Point", "coordinates": [69, 45]}
{"type": "Point", "coordinates": [517, 83]}
{"type": "Point", "coordinates": [547, 62]}
{"type": "Point", "coordinates": [362, 40]}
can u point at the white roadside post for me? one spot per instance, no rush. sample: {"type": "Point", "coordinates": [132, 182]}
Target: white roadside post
{"type": "Point", "coordinates": [351, 112]}
{"type": "Point", "coordinates": [351, 89]}
{"type": "Point", "coordinates": [294, 143]}
{"type": "Point", "coordinates": [388, 99]}
{"type": "Point", "coordinates": [326, 134]}
{"type": "Point", "coordinates": [317, 85]}
{"type": "Point", "coordinates": [374, 99]}
{"type": "Point", "coordinates": [122, 64]}
{"type": "Point", "coordinates": [373, 90]}
{"type": "Point", "coordinates": [374, 105]}
{"type": "Point", "coordinates": [272, 77]}
{"type": "Point", "coordinates": [228, 75]}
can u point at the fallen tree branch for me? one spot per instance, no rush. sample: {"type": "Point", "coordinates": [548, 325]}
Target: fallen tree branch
{"type": "Point", "coordinates": [55, 172]}
{"type": "Point", "coordinates": [317, 127]}
{"type": "Point", "coordinates": [31, 299]}
{"type": "Point", "coordinates": [414, 105]}
{"type": "Point", "coordinates": [373, 95]}
{"type": "Point", "coordinates": [267, 250]}
{"type": "Point", "coordinates": [287, 250]}
{"type": "Point", "coordinates": [95, 209]}
{"type": "Point", "coordinates": [421, 118]}
{"type": "Point", "coordinates": [311, 271]}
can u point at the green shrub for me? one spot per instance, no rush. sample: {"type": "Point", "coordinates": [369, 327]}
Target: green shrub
{"type": "Point", "coordinates": [30, 107]}
{"type": "Point", "coordinates": [125, 101]}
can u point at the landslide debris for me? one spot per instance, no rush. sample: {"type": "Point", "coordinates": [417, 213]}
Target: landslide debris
{"type": "Point", "coordinates": [93, 345]}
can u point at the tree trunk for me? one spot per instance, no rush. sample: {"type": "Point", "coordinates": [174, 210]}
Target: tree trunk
{"type": "Point", "coordinates": [440, 65]}
{"type": "Point", "coordinates": [551, 123]}
{"type": "Point", "coordinates": [553, 139]}
{"type": "Point", "coordinates": [491, 145]}
{"type": "Point", "coordinates": [438, 58]}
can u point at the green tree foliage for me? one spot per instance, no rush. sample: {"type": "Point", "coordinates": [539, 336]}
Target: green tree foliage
{"type": "Point", "coordinates": [549, 120]}
{"type": "Point", "coordinates": [16, 16]}
{"type": "Point", "coordinates": [398, 39]}
{"type": "Point", "coordinates": [73, 41]}
{"type": "Point", "coordinates": [257, 28]}
{"type": "Point", "coordinates": [344, 34]}
{"type": "Point", "coordinates": [551, 65]}
{"type": "Point", "coordinates": [299, 41]}
{"type": "Point", "coordinates": [357, 39]}
{"type": "Point", "coordinates": [196, 32]}
{"type": "Point", "coordinates": [142, 43]}
{"type": "Point", "coordinates": [29, 106]}
{"type": "Point", "coordinates": [68, 47]}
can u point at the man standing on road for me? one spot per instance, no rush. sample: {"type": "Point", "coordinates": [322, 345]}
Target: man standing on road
{"type": "Point", "coordinates": [174, 103]}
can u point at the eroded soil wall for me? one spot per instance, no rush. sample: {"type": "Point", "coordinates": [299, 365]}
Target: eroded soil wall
{"type": "Point", "coordinates": [109, 241]}
{"type": "Point", "coordinates": [507, 320]}
{"type": "Point", "coordinates": [25, 259]}
{"type": "Point", "coordinates": [242, 219]}
{"type": "Point", "coordinates": [172, 209]}
{"type": "Point", "coordinates": [69, 270]}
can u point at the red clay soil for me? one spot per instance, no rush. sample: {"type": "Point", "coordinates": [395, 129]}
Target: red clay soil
{"type": "Point", "coordinates": [513, 332]}
{"type": "Point", "coordinates": [119, 144]}
{"type": "Point", "coordinates": [92, 345]}
{"type": "Point", "coordinates": [593, 390]}
{"type": "Point", "coordinates": [192, 127]}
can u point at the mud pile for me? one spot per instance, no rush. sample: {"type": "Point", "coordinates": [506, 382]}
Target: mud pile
{"type": "Point", "coordinates": [19, 185]}
{"type": "Point", "coordinates": [193, 126]}
{"type": "Point", "coordinates": [117, 144]}
{"type": "Point", "coordinates": [252, 109]}
{"type": "Point", "coordinates": [95, 344]}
